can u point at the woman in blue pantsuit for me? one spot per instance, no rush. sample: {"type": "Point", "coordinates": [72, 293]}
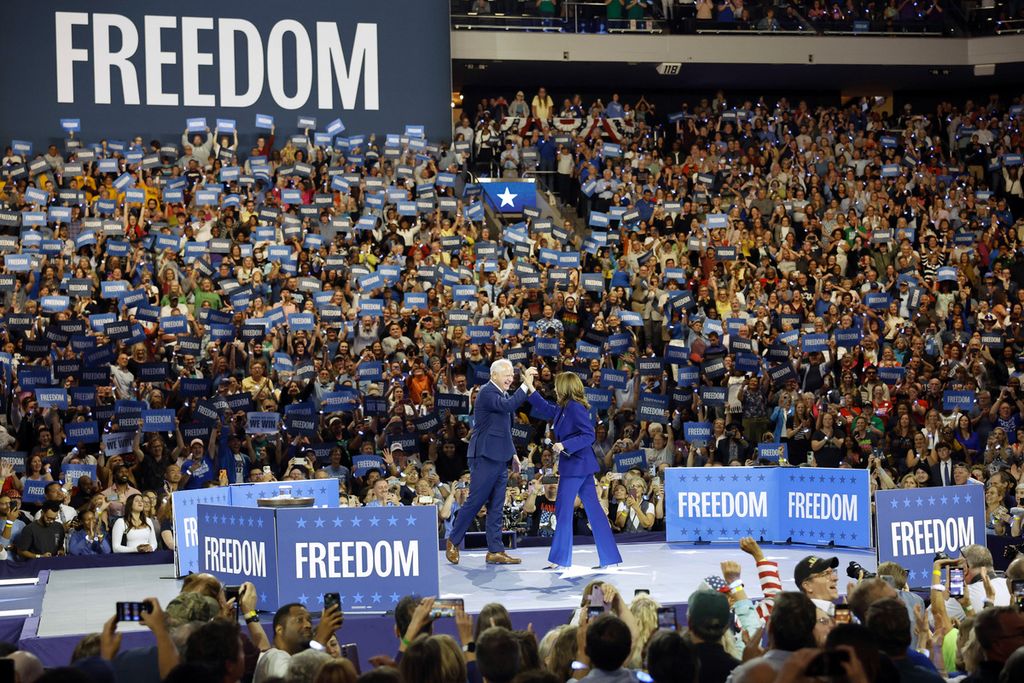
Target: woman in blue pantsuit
{"type": "Point", "coordinates": [574, 440]}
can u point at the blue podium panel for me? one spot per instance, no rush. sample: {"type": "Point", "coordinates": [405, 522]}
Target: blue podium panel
{"type": "Point", "coordinates": [915, 524]}
{"type": "Point", "coordinates": [324, 493]}
{"type": "Point", "coordinates": [238, 545]}
{"type": "Point", "coordinates": [806, 505]}
{"type": "Point", "coordinates": [371, 556]}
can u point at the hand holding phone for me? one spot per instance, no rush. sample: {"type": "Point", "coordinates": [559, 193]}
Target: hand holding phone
{"type": "Point", "coordinates": [446, 608]}
{"type": "Point", "coordinates": [956, 582]}
{"type": "Point", "coordinates": [132, 611]}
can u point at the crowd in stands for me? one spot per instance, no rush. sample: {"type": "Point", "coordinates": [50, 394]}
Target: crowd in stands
{"type": "Point", "coordinates": [815, 16]}
{"type": "Point", "coordinates": [356, 291]}
{"type": "Point", "coordinates": [876, 632]}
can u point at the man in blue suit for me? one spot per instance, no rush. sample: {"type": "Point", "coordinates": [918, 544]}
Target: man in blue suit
{"type": "Point", "coordinates": [490, 451]}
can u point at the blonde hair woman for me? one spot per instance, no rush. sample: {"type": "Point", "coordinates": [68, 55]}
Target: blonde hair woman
{"type": "Point", "coordinates": [573, 429]}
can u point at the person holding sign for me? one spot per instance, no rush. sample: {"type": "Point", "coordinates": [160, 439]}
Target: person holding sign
{"type": "Point", "coordinates": [577, 464]}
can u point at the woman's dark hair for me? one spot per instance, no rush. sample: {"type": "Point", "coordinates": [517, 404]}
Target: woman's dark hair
{"type": "Point", "coordinates": [671, 658]}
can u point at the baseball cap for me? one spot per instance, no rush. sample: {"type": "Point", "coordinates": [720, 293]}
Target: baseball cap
{"type": "Point", "coordinates": [193, 442]}
{"type": "Point", "coordinates": [188, 607]}
{"type": "Point", "coordinates": [811, 565]}
{"type": "Point", "coordinates": [709, 610]}
{"type": "Point", "coordinates": [397, 446]}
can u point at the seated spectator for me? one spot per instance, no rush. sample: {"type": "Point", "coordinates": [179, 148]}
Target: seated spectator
{"type": "Point", "coordinates": [88, 536]}
{"type": "Point", "coordinates": [134, 533]}
{"type": "Point", "coordinates": [44, 537]}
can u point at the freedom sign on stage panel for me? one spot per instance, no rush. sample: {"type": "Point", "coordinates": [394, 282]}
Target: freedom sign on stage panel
{"type": "Point", "coordinates": [297, 65]}
{"type": "Point", "coordinates": [771, 503]}
{"type": "Point", "coordinates": [914, 524]}
{"type": "Point", "coordinates": [186, 552]}
{"type": "Point", "coordinates": [370, 556]}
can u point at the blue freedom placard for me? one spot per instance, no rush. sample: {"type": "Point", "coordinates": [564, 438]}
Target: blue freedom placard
{"type": "Point", "coordinates": [697, 433]}
{"type": "Point", "coordinates": [34, 490]}
{"type": "Point", "coordinates": [912, 525]}
{"type": "Point", "coordinates": [72, 472]}
{"type": "Point", "coordinates": [819, 505]}
{"type": "Point", "coordinates": [772, 452]}
{"type": "Point", "coordinates": [624, 462]}
{"type": "Point", "coordinates": [958, 400]}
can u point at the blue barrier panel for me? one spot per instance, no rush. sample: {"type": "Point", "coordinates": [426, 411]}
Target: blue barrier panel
{"type": "Point", "coordinates": [819, 505]}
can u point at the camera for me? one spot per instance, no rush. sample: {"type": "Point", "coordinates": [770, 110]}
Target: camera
{"type": "Point", "coordinates": [856, 571]}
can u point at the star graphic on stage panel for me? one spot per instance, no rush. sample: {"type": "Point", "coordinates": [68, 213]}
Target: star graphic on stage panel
{"type": "Point", "coordinates": [842, 535]}
{"type": "Point", "coordinates": [232, 518]}
{"type": "Point", "coordinates": [507, 198]}
{"type": "Point", "coordinates": [249, 495]}
{"type": "Point", "coordinates": [943, 500]}
{"type": "Point", "coordinates": [320, 599]}
{"type": "Point", "coordinates": [376, 597]}
{"type": "Point", "coordinates": [920, 501]}
{"type": "Point", "coordinates": [374, 521]}
{"type": "Point", "coordinates": [395, 597]}
{"type": "Point", "coordinates": [967, 498]}
{"type": "Point", "coordinates": [410, 520]}
{"type": "Point", "coordinates": [358, 597]}
{"type": "Point", "coordinates": [906, 502]}
{"type": "Point", "coordinates": [956, 500]}
{"type": "Point", "coordinates": [392, 521]}
{"type": "Point", "coordinates": [259, 522]}
{"type": "Point", "coordinates": [931, 500]}
{"type": "Point", "coordinates": [319, 522]}
{"type": "Point", "coordinates": [263, 597]}
{"type": "Point", "coordinates": [304, 599]}
{"type": "Point", "coordinates": [206, 518]}
{"type": "Point", "coordinates": [337, 522]}
{"type": "Point", "coordinates": [323, 489]}
{"type": "Point", "coordinates": [911, 574]}
{"type": "Point", "coordinates": [357, 521]}
{"type": "Point", "coordinates": [895, 503]}
{"type": "Point", "coordinates": [300, 523]}
{"type": "Point", "coordinates": [721, 477]}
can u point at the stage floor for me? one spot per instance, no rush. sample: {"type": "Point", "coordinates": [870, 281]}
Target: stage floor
{"type": "Point", "coordinates": [79, 601]}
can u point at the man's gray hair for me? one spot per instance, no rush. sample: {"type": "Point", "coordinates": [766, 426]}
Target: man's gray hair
{"type": "Point", "coordinates": [499, 364]}
{"type": "Point", "coordinates": [302, 667]}
{"type": "Point", "coordinates": [977, 556]}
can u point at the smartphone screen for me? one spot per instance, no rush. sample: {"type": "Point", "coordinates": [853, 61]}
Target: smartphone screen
{"type": "Point", "coordinates": [331, 599]}
{"type": "Point", "coordinates": [667, 618]}
{"type": "Point", "coordinates": [594, 612]}
{"type": "Point", "coordinates": [445, 608]}
{"type": "Point", "coordinates": [641, 591]}
{"type": "Point", "coordinates": [597, 597]}
{"type": "Point", "coordinates": [956, 583]}
{"type": "Point", "coordinates": [131, 611]}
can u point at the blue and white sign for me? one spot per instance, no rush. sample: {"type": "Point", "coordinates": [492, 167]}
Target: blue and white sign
{"type": "Point", "coordinates": [914, 524]}
{"type": "Point", "coordinates": [509, 196]}
{"type": "Point", "coordinates": [220, 59]}
{"type": "Point", "coordinates": [775, 504]}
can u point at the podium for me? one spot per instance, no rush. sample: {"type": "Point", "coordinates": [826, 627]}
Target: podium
{"type": "Point", "coordinates": [370, 556]}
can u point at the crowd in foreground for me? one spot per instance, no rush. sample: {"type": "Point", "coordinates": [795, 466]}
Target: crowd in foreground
{"type": "Point", "coordinates": [819, 277]}
{"type": "Point", "coordinates": [878, 631]}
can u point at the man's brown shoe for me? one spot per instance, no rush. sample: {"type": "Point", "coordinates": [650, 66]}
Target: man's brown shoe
{"type": "Point", "coordinates": [502, 558]}
{"type": "Point", "coordinates": [451, 552]}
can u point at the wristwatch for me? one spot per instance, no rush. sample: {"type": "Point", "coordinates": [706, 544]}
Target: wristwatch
{"type": "Point", "coordinates": [469, 647]}
{"type": "Point", "coordinates": [251, 617]}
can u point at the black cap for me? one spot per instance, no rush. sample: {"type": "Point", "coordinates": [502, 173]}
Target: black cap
{"type": "Point", "coordinates": [812, 565]}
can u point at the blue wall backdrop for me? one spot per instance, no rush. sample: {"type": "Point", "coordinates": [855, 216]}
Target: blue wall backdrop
{"type": "Point", "coordinates": [141, 67]}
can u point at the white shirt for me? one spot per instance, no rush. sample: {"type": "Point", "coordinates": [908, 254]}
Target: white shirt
{"type": "Point", "coordinates": [272, 664]}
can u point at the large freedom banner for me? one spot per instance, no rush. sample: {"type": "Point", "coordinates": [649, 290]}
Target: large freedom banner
{"type": "Point", "coordinates": [805, 505]}
{"type": "Point", "coordinates": [324, 493]}
{"type": "Point", "coordinates": [371, 556]}
{"type": "Point", "coordinates": [111, 69]}
{"type": "Point", "coordinates": [915, 524]}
